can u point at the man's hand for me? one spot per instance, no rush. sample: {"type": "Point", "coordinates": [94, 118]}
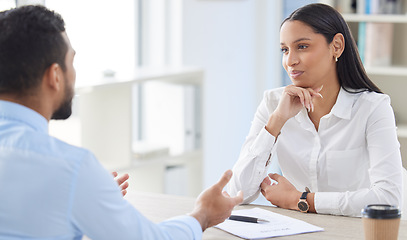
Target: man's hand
{"type": "Point", "coordinates": [283, 194]}
{"type": "Point", "coordinates": [213, 206]}
{"type": "Point", "coordinates": [122, 182]}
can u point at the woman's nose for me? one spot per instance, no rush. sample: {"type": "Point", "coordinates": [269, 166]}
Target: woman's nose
{"type": "Point", "coordinates": [291, 58]}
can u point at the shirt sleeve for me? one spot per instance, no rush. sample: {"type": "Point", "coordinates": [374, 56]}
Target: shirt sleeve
{"type": "Point", "coordinates": [100, 211]}
{"type": "Point", "coordinates": [252, 165]}
{"type": "Point", "coordinates": [385, 171]}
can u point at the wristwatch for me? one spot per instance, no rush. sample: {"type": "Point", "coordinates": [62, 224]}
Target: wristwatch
{"type": "Point", "coordinates": [302, 203]}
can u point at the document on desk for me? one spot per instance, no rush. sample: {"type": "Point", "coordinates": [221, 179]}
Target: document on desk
{"type": "Point", "coordinates": [278, 225]}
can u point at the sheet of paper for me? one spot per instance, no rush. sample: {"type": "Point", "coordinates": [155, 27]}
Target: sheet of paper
{"type": "Point", "coordinates": [278, 225]}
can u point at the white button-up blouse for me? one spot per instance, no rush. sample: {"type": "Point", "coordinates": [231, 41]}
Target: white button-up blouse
{"type": "Point", "coordinates": [351, 161]}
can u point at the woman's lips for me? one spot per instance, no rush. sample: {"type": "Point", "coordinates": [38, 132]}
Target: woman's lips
{"type": "Point", "coordinates": [295, 73]}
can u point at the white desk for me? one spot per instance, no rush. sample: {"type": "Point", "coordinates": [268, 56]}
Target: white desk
{"type": "Point", "coordinates": [158, 207]}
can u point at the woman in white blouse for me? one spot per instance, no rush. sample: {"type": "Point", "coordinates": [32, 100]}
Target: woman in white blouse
{"type": "Point", "coordinates": [333, 130]}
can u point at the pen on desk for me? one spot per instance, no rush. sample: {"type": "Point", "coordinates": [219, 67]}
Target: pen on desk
{"type": "Point", "coordinates": [247, 219]}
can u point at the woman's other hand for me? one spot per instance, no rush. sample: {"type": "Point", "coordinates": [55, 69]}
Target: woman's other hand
{"type": "Point", "coordinates": [282, 193]}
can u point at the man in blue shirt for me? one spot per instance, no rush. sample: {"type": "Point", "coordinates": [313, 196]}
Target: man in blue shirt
{"type": "Point", "coordinates": [48, 188]}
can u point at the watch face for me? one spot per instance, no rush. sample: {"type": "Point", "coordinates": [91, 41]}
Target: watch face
{"type": "Point", "coordinates": [303, 206]}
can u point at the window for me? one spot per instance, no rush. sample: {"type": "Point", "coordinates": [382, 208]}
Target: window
{"type": "Point", "coordinates": [102, 32]}
{"type": "Point", "coordinates": [7, 4]}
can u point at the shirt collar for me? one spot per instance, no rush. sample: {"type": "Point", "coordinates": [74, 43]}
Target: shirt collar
{"type": "Point", "coordinates": [25, 115]}
{"type": "Point", "coordinates": [344, 104]}
{"type": "Point", "coordinates": [342, 107]}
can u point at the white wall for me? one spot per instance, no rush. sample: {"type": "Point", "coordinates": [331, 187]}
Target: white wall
{"type": "Point", "coordinates": [236, 42]}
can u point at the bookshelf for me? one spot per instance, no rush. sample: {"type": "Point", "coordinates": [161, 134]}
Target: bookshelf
{"type": "Point", "coordinates": [387, 18]}
{"type": "Point", "coordinates": [391, 78]}
{"type": "Point", "coordinates": [387, 71]}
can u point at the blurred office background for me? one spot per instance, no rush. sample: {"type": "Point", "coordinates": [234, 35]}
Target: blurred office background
{"type": "Point", "coordinates": [167, 89]}
{"type": "Point", "coordinates": [231, 46]}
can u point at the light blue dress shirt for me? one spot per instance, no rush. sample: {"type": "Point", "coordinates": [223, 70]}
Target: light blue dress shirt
{"type": "Point", "coordinates": [52, 190]}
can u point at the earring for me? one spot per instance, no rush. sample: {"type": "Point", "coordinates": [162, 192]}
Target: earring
{"type": "Point", "coordinates": [336, 59]}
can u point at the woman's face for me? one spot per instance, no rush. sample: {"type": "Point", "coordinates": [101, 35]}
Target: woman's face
{"type": "Point", "coordinates": [307, 57]}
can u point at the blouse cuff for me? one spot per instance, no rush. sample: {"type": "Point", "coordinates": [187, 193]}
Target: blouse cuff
{"type": "Point", "coordinates": [263, 144]}
{"type": "Point", "coordinates": [327, 203]}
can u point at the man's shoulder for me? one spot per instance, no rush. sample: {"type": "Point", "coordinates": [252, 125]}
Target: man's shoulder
{"type": "Point", "coordinates": [68, 151]}
{"type": "Point", "coordinates": [42, 145]}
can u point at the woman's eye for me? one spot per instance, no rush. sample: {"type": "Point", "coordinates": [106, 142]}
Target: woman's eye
{"type": "Point", "coordinates": [284, 50]}
{"type": "Point", "coordinates": [302, 46]}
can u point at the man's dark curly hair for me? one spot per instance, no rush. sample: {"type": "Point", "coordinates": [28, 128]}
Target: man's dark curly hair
{"type": "Point", "coordinates": [30, 41]}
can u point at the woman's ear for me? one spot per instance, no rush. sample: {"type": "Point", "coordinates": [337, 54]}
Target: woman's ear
{"type": "Point", "coordinates": [338, 44]}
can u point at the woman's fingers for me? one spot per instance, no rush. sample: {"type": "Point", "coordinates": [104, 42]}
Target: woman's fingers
{"type": "Point", "coordinates": [295, 92]}
{"type": "Point", "coordinates": [308, 99]}
{"type": "Point", "coordinates": [294, 99]}
{"type": "Point", "coordinates": [316, 92]}
{"type": "Point", "coordinates": [305, 95]}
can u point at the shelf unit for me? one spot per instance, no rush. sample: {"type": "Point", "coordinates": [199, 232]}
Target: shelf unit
{"type": "Point", "coordinates": [106, 112]}
{"type": "Point", "coordinates": [391, 79]}
{"type": "Point", "coordinates": [396, 71]}
{"type": "Point", "coordinates": [402, 131]}
{"type": "Point", "coordinates": [389, 18]}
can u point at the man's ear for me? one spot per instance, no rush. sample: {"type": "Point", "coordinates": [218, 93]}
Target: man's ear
{"type": "Point", "coordinates": [338, 44]}
{"type": "Point", "coordinates": [53, 77]}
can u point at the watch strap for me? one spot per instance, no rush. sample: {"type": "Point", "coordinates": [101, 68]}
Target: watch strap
{"type": "Point", "coordinates": [304, 195]}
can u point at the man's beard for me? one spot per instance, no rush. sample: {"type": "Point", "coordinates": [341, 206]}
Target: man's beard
{"type": "Point", "coordinates": [65, 110]}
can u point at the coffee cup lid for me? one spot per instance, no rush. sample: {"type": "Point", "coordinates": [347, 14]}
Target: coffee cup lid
{"type": "Point", "coordinates": [381, 211]}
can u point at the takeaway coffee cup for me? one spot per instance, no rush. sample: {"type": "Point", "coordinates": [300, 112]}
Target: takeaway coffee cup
{"type": "Point", "coordinates": [381, 221]}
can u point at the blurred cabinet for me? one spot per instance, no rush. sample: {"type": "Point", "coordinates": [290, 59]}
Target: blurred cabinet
{"type": "Point", "coordinates": [149, 125]}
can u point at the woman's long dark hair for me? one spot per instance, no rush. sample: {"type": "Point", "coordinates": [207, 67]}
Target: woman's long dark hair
{"type": "Point", "coordinates": [327, 21]}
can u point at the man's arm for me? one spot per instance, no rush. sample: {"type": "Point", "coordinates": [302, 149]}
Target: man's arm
{"type": "Point", "coordinates": [100, 212]}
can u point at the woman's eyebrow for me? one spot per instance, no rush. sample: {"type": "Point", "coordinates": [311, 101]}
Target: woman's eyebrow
{"type": "Point", "coordinates": [298, 40]}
